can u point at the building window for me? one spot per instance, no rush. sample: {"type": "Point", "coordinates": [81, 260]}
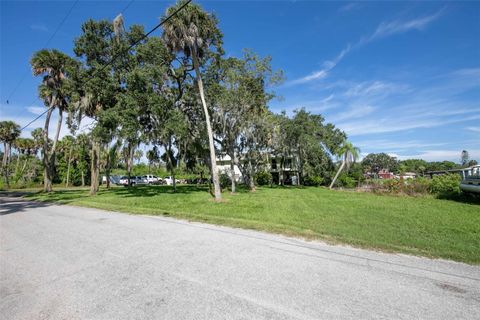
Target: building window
{"type": "Point", "coordinates": [288, 163]}
{"type": "Point", "coordinates": [274, 164]}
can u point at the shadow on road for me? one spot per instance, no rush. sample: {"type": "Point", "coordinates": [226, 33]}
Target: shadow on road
{"type": "Point", "coordinates": [13, 203]}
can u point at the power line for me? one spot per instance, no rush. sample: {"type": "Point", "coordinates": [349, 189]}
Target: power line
{"type": "Point", "coordinates": [127, 6]}
{"type": "Point", "coordinates": [120, 53]}
{"type": "Point", "coordinates": [46, 45]}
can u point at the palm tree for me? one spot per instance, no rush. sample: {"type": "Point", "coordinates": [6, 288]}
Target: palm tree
{"type": "Point", "coordinates": [37, 135]}
{"type": "Point", "coordinates": [138, 155]}
{"type": "Point", "coordinates": [151, 157]}
{"type": "Point", "coordinates": [82, 148]}
{"type": "Point", "coordinates": [349, 155]}
{"type": "Point", "coordinates": [19, 145]}
{"type": "Point", "coordinates": [68, 143]}
{"type": "Point", "coordinates": [53, 65]}
{"type": "Point", "coordinates": [464, 158]}
{"type": "Point", "coordinates": [192, 31]}
{"type": "Point", "coordinates": [27, 148]}
{"type": "Point", "coordinates": [9, 132]}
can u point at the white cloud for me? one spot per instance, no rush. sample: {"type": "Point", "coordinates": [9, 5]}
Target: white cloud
{"type": "Point", "coordinates": [441, 155]}
{"type": "Point", "coordinates": [395, 123]}
{"type": "Point", "coordinates": [369, 88]}
{"type": "Point", "coordinates": [385, 29]}
{"type": "Point", "coordinates": [36, 110]}
{"type": "Point", "coordinates": [316, 106]}
{"type": "Point", "coordinates": [39, 27]}
{"type": "Point", "coordinates": [39, 123]}
{"type": "Point", "coordinates": [353, 112]}
{"type": "Point", "coordinates": [474, 129]}
{"type": "Point", "coordinates": [349, 7]}
{"type": "Point", "coordinates": [383, 144]}
{"type": "Point", "coordinates": [322, 73]}
{"type": "Point", "coordinates": [469, 72]}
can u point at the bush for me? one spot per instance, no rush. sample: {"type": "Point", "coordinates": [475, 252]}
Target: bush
{"type": "Point", "coordinates": [225, 181]}
{"type": "Point", "coordinates": [416, 186]}
{"type": "Point", "coordinates": [446, 186]}
{"type": "Point", "coordinates": [409, 187]}
{"type": "Point", "coordinates": [263, 178]}
{"type": "Point", "coordinates": [312, 181]}
{"type": "Point", "coordinates": [347, 181]}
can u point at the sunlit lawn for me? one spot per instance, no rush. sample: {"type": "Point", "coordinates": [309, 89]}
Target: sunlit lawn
{"type": "Point", "coordinates": [423, 226]}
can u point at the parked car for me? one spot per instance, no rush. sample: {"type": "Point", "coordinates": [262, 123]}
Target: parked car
{"type": "Point", "coordinates": [169, 181]}
{"type": "Point", "coordinates": [139, 181]}
{"type": "Point", "coordinates": [123, 181]}
{"type": "Point", "coordinates": [152, 179]}
{"type": "Point", "coordinates": [134, 180]}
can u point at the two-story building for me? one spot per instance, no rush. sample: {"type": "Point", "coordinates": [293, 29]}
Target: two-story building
{"type": "Point", "coordinates": [286, 173]}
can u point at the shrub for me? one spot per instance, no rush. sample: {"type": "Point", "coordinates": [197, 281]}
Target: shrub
{"type": "Point", "coordinates": [347, 181]}
{"type": "Point", "coordinates": [392, 185]}
{"type": "Point", "coordinates": [416, 186]}
{"type": "Point", "coordinates": [397, 186]}
{"type": "Point", "coordinates": [225, 181]}
{"type": "Point", "coordinates": [263, 178]}
{"type": "Point", "coordinates": [312, 181]}
{"type": "Point", "coordinates": [446, 186]}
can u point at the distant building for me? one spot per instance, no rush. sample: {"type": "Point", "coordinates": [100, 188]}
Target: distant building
{"type": "Point", "coordinates": [408, 175]}
{"type": "Point", "coordinates": [224, 166]}
{"type": "Point", "coordinates": [385, 174]}
{"type": "Point", "coordinates": [288, 173]}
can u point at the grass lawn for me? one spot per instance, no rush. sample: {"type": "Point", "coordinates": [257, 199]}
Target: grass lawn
{"type": "Point", "coordinates": [420, 226]}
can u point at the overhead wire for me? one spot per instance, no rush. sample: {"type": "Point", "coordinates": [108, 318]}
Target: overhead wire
{"type": "Point", "coordinates": [46, 45]}
{"type": "Point", "coordinates": [120, 53]}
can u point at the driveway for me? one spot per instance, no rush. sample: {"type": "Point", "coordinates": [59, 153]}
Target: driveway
{"type": "Point", "coordinates": [62, 262]}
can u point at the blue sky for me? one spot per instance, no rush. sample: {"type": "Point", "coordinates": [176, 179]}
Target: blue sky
{"type": "Point", "coordinates": [398, 77]}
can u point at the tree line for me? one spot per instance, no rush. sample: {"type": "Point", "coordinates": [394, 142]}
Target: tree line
{"type": "Point", "coordinates": [181, 95]}
{"type": "Point", "coordinates": [177, 93]}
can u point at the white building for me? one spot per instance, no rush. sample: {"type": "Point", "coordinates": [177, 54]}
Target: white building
{"type": "Point", "coordinates": [289, 172]}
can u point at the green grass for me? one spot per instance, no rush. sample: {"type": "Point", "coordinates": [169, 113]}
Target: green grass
{"type": "Point", "coordinates": [422, 226]}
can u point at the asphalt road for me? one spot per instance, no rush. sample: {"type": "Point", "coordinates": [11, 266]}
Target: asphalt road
{"type": "Point", "coordinates": [61, 262]}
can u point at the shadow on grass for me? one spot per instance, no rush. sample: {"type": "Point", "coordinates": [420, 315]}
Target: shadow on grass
{"type": "Point", "coordinates": [467, 198]}
{"type": "Point", "coordinates": [151, 191]}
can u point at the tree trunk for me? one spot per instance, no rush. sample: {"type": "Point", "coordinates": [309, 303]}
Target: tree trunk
{"type": "Point", "coordinates": [108, 166]}
{"type": "Point", "coordinates": [251, 180]}
{"type": "Point", "coordinates": [68, 167]}
{"type": "Point", "coordinates": [107, 175]}
{"type": "Point", "coordinates": [338, 173]}
{"type": "Point", "coordinates": [47, 178]}
{"type": "Point", "coordinates": [280, 174]}
{"type": "Point", "coordinates": [130, 161]}
{"type": "Point", "coordinates": [213, 158]}
{"type": "Point", "coordinates": [170, 163]}
{"type": "Point", "coordinates": [232, 169]}
{"type": "Point", "coordinates": [57, 134]}
{"type": "Point", "coordinates": [5, 154]}
{"type": "Point", "coordinates": [174, 183]}
{"type": "Point", "coordinates": [5, 164]}
{"type": "Point", "coordinates": [18, 162]}
{"type": "Point", "coordinates": [83, 178]}
{"type": "Point", "coordinates": [94, 185]}
{"type": "Point", "coordinates": [299, 166]}
{"type": "Point", "coordinates": [24, 166]}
